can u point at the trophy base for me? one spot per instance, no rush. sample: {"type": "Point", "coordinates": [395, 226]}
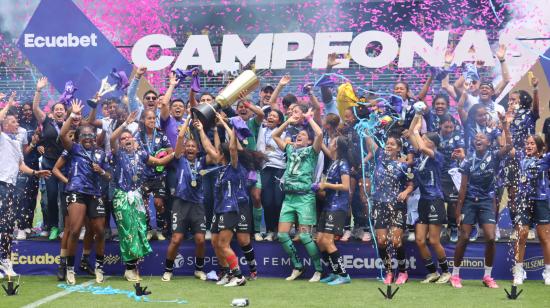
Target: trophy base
{"type": "Point", "coordinates": [206, 113]}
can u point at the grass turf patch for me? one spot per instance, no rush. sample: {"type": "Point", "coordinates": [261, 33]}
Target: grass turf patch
{"type": "Point", "coordinates": [273, 292]}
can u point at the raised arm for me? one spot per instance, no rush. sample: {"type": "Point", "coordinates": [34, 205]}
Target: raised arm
{"type": "Point", "coordinates": [6, 108]}
{"type": "Point", "coordinates": [260, 115]}
{"type": "Point", "coordinates": [536, 100]}
{"type": "Point", "coordinates": [38, 113]}
{"type": "Point", "coordinates": [165, 102]}
{"type": "Point", "coordinates": [425, 88]}
{"type": "Point", "coordinates": [133, 101]}
{"type": "Point", "coordinates": [316, 107]}
{"type": "Point", "coordinates": [460, 107]}
{"type": "Point", "coordinates": [501, 53]}
{"type": "Point", "coordinates": [92, 117]}
{"type": "Point", "coordinates": [76, 107]}
{"type": "Point", "coordinates": [416, 140]}
{"type": "Point", "coordinates": [211, 152]}
{"type": "Point", "coordinates": [318, 140]}
{"type": "Point", "coordinates": [445, 82]}
{"type": "Point", "coordinates": [276, 135]}
{"type": "Point", "coordinates": [192, 100]}
{"type": "Point", "coordinates": [273, 99]}
{"type": "Point", "coordinates": [180, 142]}
{"type": "Point", "coordinates": [233, 143]}
{"type": "Point", "coordinates": [116, 134]}
{"type": "Point", "coordinates": [506, 120]}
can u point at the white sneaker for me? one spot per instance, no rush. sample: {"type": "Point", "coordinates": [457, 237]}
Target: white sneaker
{"type": "Point", "coordinates": [269, 236]}
{"type": "Point", "coordinates": [28, 230]}
{"type": "Point", "coordinates": [444, 278]}
{"type": "Point", "coordinates": [519, 275]}
{"type": "Point", "coordinates": [345, 237]}
{"type": "Point", "coordinates": [316, 277]}
{"type": "Point", "coordinates": [71, 277]}
{"type": "Point", "coordinates": [200, 275]}
{"type": "Point", "coordinates": [208, 235]}
{"type": "Point", "coordinates": [531, 235]}
{"type": "Point", "coordinates": [224, 280]}
{"type": "Point", "coordinates": [131, 275]}
{"type": "Point", "coordinates": [295, 274]}
{"type": "Point", "coordinates": [7, 267]}
{"type": "Point", "coordinates": [258, 237]}
{"type": "Point", "coordinates": [167, 276]}
{"type": "Point", "coordinates": [21, 235]}
{"type": "Point", "coordinates": [149, 235]}
{"type": "Point", "coordinates": [546, 277]}
{"type": "Point", "coordinates": [431, 277]}
{"type": "Point", "coordinates": [411, 237]}
{"type": "Point", "coordinates": [82, 233]}
{"type": "Point", "coordinates": [236, 282]}
{"type": "Point", "coordinates": [99, 278]}
{"type": "Point", "coordinates": [161, 236]}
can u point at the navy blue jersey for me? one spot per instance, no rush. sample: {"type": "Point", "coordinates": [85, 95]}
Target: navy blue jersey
{"type": "Point", "coordinates": [355, 142]}
{"type": "Point", "coordinates": [427, 175]}
{"type": "Point", "coordinates": [190, 180]}
{"type": "Point", "coordinates": [158, 141]}
{"type": "Point", "coordinates": [481, 173]}
{"type": "Point", "coordinates": [226, 188]}
{"type": "Point", "coordinates": [390, 177]}
{"type": "Point", "coordinates": [533, 176]}
{"type": "Point", "coordinates": [446, 147]}
{"type": "Point", "coordinates": [82, 177]}
{"type": "Point", "coordinates": [433, 122]}
{"type": "Point", "coordinates": [521, 127]}
{"type": "Point", "coordinates": [337, 200]}
{"type": "Point", "coordinates": [129, 168]}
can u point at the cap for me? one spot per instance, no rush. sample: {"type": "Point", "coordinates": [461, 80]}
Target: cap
{"type": "Point", "coordinates": [268, 88]}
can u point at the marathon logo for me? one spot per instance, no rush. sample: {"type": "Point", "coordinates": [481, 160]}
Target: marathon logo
{"type": "Point", "coordinates": [36, 41]}
{"type": "Point", "coordinates": [471, 263]}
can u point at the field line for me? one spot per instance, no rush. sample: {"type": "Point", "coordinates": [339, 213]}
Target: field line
{"type": "Point", "coordinates": [55, 296]}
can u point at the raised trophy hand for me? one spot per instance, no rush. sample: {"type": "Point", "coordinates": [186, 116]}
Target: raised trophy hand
{"type": "Point", "coordinates": [132, 117]}
{"type": "Point", "coordinates": [141, 70]}
{"type": "Point", "coordinates": [11, 100]}
{"type": "Point", "coordinates": [198, 125]}
{"type": "Point", "coordinates": [449, 56]}
{"type": "Point", "coordinates": [309, 113]}
{"type": "Point", "coordinates": [173, 79]}
{"type": "Point", "coordinates": [76, 106]}
{"type": "Point", "coordinates": [332, 60]}
{"type": "Point", "coordinates": [501, 52]}
{"type": "Point", "coordinates": [284, 80]}
{"type": "Point", "coordinates": [42, 82]}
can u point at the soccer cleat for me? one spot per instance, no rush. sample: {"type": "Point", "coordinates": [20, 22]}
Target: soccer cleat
{"type": "Point", "coordinates": [258, 237]}
{"type": "Point", "coordinates": [61, 272]}
{"type": "Point", "coordinates": [71, 277]}
{"type": "Point", "coordinates": [531, 235]}
{"type": "Point", "coordinates": [7, 268]}
{"type": "Point", "coordinates": [54, 233]}
{"type": "Point", "coordinates": [295, 274]}
{"type": "Point", "coordinates": [367, 237]}
{"type": "Point", "coordinates": [270, 236]}
{"type": "Point", "coordinates": [546, 277]}
{"type": "Point", "coordinates": [253, 276]}
{"type": "Point", "coordinates": [389, 278]}
{"type": "Point", "coordinates": [86, 267]}
{"type": "Point", "coordinates": [402, 278]}
{"type": "Point", "coordinates": [236, 282]}
{"type": "Point", "coordinates": [167, 276]}
{"type": "Point", "coordinates": [224, 280]}
{"type": "Point", "coordinates": [411, 237]}
{"type": "Point", "coordinates": [316, 277]}
{"type": "Point", "coordinates": [329, 278]}
{"type": "Point", "coordinates": [131, 275]}
{"type": "Point", "coordinates": [519, 276]}
{"type": "Point", "coordinates": [340, 280]}
{"type": "Point", "coordinates": [99, 278]}
{"type": "Point", "coordinates": [21, 235]}
{"type": "Point", "coordinates": [453, 234]}
{"type": "Point", "coordinates": [474, 234]}
{"type": "Point", "coordinates": [489, 282]}
{"type": "Point", "coordinates": [161, 236]}
{"type": "Point", "coordinates": [200, 275]}
{"type": "Point", "coordinates": [346, 236]}
{"type": "Point", "coordinates": [444, 278]}
{"type": "Point", "coordinates": [456, 281]}
{"type": "Point", "coordinates": [431, 277]}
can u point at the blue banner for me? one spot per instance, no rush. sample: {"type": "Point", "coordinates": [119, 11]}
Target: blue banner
{"type": "Point", "coordinates": [42, 258]}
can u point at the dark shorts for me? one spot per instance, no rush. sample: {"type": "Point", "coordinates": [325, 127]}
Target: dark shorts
{"type": "Point", "coordinates": [481, 211]}
{"type": "Point", "coordinates": [7, 208]}
{"type": "Point", "coordinates": [431, 212]}
{"type": "Point", "coordinates": [187, 216]}
{"type": "Point", "coordinates": [63, 204]}
{"type": "Point", "coordinates": [389, 215]}
{"type": "Point", "coordinates": [225, 221]}
{"type": "Point", "coordinates": [155, 187]}
{"type": "Point", "coordinates": [94, 204]}
{"type": "Point", "coordinates": [450, 194]}
{"type": "Point", "coordinates": [332, 222]}
{"type": "Point", "coordinates": [532, 211]}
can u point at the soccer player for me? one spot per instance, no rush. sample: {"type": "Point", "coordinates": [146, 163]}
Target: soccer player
{"type": "Point", "coordinates": [88, 164]}
{"type": "Point", "coordinates": [299, 201]}
{"type": "Point", "coordinates": [129, 163]}
{"type": "Point", "coordinates": [431, 207]}
{"type": "Point", "coordinates": [476, 199]}
{"type": "Point", "coordinates": [188, 209]}
{"type": "Point", "coordinates": [335, 210]}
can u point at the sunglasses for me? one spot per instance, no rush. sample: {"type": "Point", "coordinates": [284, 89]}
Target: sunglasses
{"type": "Point", "coordinates": [87, 136]}
{"type": "Point", "coordinates": [150, 98]}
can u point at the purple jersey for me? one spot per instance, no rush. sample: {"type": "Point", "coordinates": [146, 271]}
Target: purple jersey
{"type": "Point", "coordinates": [171, 128]}
{"type": "Point", "coordinates": [390, 177]}
{"type": "Point", "coordinates": [129, 168]}
{"type": "Point", "coordinates": [427, 175]}
{"type": "Point", "coordinates": [481, 174]}
{"type": "Point", "coordinates": [82, 177]}
{"type": "Point", "coordinates": [158, 141]}
{"type": "Point", "coordinates": [337, 200]}
{"type": "Point", "coordinates": [226, 188]}
{"type": "Point", "coordinates": [189, 179]}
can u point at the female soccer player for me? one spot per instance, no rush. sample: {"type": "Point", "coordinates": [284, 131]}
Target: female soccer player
{"type": "Point", "coordinates": [187, 208]}
{"type": "Point", "coordinates": [532, 204]}
{"type": "Point", "coordinates": [391, 188]}
{"type": "Point", "coordinates": [335, 210]}
{"type": "Point", "coordinates": [431, 208]}
{"type": "Point", "coordinates": [88, 164]}
{"type": "Point", "coordinates": [476, 199]}
{"type": "Point", "coordinates": [299, 200]}
{"type": "Point", "coordinates": [129, 163]}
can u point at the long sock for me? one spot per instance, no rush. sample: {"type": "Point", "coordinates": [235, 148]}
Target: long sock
{"type": "Point", "coordinates": [383, 253]}
{"type": "Point", "coordinates": [443, 265]}
{"type": "Point", "coordinates": [169, 267]}
{"type": "Point", "coordinates": [430, 266]}
{"type": "Point", "coordinates": [289, 248]}
{"type": "Point", "coordinates": [234, 265]}
{"type": "Point", "coordinates": [99, 260]}
{"type": "Point", "coordinates": [248, 251]}
{"type": "Point", "coordinates": [5, 243]}
{"type": "Point", "coordinates": [337, 263]}
{"type": "Point", "coordinates": [85, 257]}
{"type": "Point", "coordinates": [257, 214]}
{"type": "Point", "coordinates": [70, 263]}
{"type": "Point", "coordinates": [312, 250]}
{"type": "Point", "coordinates": [401, 261]}
{"type": "Point", "coordinates": [325, 257]}
{"type": "Point", "coordinates": [131, 265]}
{"type": "Point", "coordinates": [488, 270]}
{"type": "Point", "coordinates": [199, 263]}
{"type": "Point", "coordinates": [456, 271]}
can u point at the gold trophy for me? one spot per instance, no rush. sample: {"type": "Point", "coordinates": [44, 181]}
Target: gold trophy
{"type": "Point", "coordinates": [245, 83]}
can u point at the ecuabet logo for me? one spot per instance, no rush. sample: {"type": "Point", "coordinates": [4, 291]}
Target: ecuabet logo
{"type": "Point", "coordinates": [31, 40]}
{"type": "Point", "coordinates": [34, 259]}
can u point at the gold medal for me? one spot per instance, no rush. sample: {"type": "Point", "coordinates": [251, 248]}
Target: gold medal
{"type": "Point", "coordinates": [203, 172]}
{"type": "Point", "coordinates": [193, 183]}
{"type": "Point", "coordinates": [135, 178]}
{"type": "Point", "coordinates": [523, 179]}
{"type": "Point", "coordinates": [245, 142]}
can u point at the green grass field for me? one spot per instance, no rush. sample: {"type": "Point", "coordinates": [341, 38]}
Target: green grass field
{"type": "Point", "coordinates": [269, 292]}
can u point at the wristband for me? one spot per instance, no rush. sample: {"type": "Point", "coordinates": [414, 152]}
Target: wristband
{"type": "Point", "coordinates": [124, 124]}
{"type": "Point", "coordinates": [501, 61]}
{"type": "Point", "coordinates": [34, 173]}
